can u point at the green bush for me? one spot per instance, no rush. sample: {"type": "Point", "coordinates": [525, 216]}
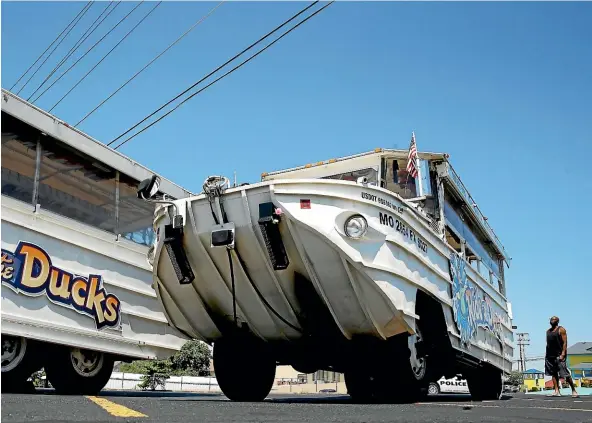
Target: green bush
{"type": "Point", "coordinates": [158, 371]}
{"type": "Point", "coordinates": [37, 379]}
{"type": "Point", "coordinates": [534, 389]}
{"type": "Point", "coordinates": [516, 378]}
{"type": "Point", "coordinates": [192, 360]}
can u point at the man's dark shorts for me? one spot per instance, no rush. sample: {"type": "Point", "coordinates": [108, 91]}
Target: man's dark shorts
{"type": "Point", "coordinates": [554, 366]}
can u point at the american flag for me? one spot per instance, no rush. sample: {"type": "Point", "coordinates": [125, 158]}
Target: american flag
{"type": "Point", "coordinates": [412, 157]}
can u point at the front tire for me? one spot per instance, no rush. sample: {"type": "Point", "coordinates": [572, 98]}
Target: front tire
{"type": "Point", "coordinates": [416, 372]}
{"type": "Point", "coordinates": [78, 371]}
{"type": "Point", "coordinates": [361, 386]}
{"type": "Point", "coordinates": [245, 370]}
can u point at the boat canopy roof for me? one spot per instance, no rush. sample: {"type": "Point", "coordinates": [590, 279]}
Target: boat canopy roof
{"type": "Point", "coordinates": [453, 184]}
{"type": "Point", "coordinates": [60, 130]}
{"type": "Point", "coordinates": [376, 153]}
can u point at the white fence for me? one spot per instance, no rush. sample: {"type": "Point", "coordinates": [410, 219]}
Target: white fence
{"type": "Point", "coordinates": [130, 381]}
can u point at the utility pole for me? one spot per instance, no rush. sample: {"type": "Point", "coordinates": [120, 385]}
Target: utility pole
{"type": "Point", "coordinates": [523, 340]}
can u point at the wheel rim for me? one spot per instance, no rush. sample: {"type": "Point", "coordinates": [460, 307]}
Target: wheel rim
{"type": "Point", "coordinates": [85, 362]}
{"type": "Point", "coordinates": [13, 351]}
{"type": "Point", "coordinates": [433, 389]}
{"type": "Point", "coordinates": [418, 364]}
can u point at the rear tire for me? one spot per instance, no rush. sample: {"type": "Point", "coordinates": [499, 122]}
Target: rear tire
{"type": "Point", "coordinates": [19, 360]}
{"type": "Point", "coordinates": [245, 369]}
{"type": "Point", "coordinates": [485, 384]}
{"type": "Point", "coordinates": [74, 371]}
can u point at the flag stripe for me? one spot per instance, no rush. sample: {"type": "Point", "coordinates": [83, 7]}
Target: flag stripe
{"type": "Point", "coordinates": [412, 158]}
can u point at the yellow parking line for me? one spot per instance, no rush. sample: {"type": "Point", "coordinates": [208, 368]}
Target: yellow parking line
{"type": "Point", "coordinates": [114, 409]}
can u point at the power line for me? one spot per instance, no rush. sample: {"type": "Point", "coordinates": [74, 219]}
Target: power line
{"type": "Point", "coordinates": [226, 74]}
{"type": "Point", "coordinates": [149, 63]}
{"type": "Point", "coordinates": [105, 56]}
{"type": "Point", "coordinates": [211, 73]}
{"type": "Point", "coordinates": [88, 6]}
{"type": "Point", "coordinates": [41, 55]}
{"type": "Point", "coordinates": [88, 51]}
{"type": "Point", "coordinates": [80, 41]}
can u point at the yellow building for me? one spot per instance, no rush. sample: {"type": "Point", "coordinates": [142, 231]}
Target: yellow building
{"type": "Point", "coordinates": [579, 360]}
{"type": "Point", "coordinates": [534, 378]}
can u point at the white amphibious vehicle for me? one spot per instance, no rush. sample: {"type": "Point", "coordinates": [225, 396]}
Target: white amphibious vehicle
{"type": "Point", "coordinates": [349, 265]}
{"type": "Point", "coordinates": [76, 287]}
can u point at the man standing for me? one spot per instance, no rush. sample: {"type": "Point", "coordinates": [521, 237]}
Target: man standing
{"type": "Point", "coordinates": [555, 365]}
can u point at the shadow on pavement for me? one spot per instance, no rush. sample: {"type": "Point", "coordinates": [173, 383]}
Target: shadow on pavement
{"type": "Point", "coordinates": [137, 394]}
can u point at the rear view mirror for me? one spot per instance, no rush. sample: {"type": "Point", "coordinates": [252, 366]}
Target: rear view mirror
{"type": "Point", "coordinates": [148, 187]}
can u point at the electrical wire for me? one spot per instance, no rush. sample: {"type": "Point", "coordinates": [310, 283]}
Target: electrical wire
{"type": "Point", "coordinates": [88, 51]}
{"type": "Point", "coordinates": [214, 71]}
{"type": "Point", "coordinates": [150, 63]}
{"type": "Point", "coordinates": [88, 6]}
{"type": "Point", "coordinates": [224, 75]}
{"type": "Point", "coordinates": [41, 55]}
{"type": "Point", "coordinates": [105, 56]}
{"type": "Point", "coordinates": [80, 41]}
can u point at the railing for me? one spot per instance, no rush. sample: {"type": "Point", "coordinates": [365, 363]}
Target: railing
{"type": "Point", "coordinates": [477, 212]}
{"type": "Point", "coordinates": [130, 381]}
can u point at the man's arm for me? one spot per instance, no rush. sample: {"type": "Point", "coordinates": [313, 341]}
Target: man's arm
{"type": "Point", "coordinates": [563, 334]}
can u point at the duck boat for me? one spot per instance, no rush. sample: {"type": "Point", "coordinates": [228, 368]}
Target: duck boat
{"type": "Point", "coordinates": [351, 265]}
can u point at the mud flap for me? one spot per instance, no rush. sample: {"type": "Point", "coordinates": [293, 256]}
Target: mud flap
{"type": "Point", "coordinates": [269, 225]}
{"type": "Point", "coordinates": [173, 242]}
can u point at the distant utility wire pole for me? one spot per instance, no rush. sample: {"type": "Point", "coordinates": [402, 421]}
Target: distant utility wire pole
{"type": "Point", "coordinates": [523, 341]}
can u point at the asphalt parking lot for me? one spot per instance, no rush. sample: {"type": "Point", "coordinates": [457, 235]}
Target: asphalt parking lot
{"type": "Point", "coordinates": [116, 406]}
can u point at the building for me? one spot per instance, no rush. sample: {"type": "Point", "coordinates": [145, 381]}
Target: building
{"type": "Point", "coordinates": [579, 360]}
{"type": "Point", "coordinates": [534, 378]}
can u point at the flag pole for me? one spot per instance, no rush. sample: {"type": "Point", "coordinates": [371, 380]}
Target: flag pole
{"type": "Point", "coordinates": [418, 164]}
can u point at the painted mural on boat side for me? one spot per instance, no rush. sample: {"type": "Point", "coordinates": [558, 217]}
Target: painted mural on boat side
{"type": "Point", "coordinates": [471, 306]}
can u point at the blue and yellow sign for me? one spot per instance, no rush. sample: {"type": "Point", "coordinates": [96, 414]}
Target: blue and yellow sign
{"type": "Point", "coordinates": [29, 271]}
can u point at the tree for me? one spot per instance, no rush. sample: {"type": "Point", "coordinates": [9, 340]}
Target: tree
{"type": "Point", "coordinates": [157, 372]}
{"type": "Point", "coordinates": [137, 366]}
{"type": "Point", "coordinates": [516, 378]}
{"type": "Point", "coordinates": [193, 359]}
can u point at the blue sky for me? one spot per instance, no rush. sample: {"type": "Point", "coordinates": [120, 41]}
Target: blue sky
{"type": "Point", "coordinates": [504, 88]}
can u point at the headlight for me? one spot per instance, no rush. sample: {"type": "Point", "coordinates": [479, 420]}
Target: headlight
{"type": "Point", "coordinates": [356, 226]}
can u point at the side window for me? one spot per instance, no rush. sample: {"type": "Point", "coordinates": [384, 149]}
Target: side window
{"type": "Point", "coordinates": [135, 216]}
{"type": "Point", "coordinates": [76, 186]}
{"type": "Point", "coordinates": [370, 173]}
{"type": "Point", "coordinates": [398, 179]}
{"type": "Point", "coordinates": [19, 151]}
